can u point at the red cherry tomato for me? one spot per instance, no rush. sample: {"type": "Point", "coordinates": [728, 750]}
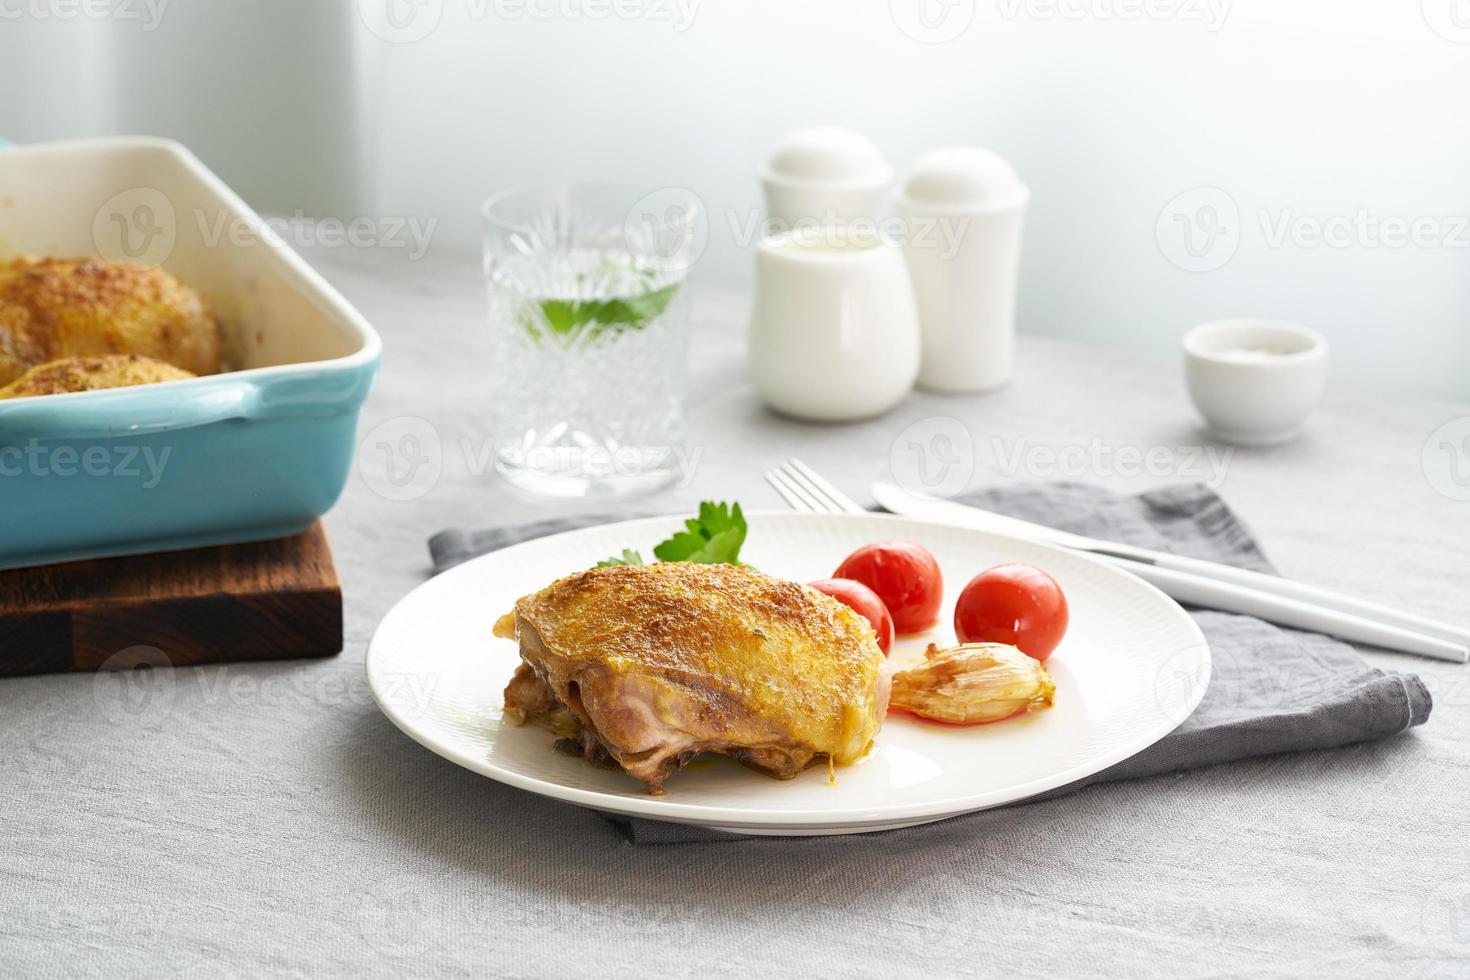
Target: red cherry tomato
{"type": "Point", "coordinates": [1014, 604]}
{"type": "Point", "coordinates": [905, 576]}
{"type": "Point", "coordinates": [863, 601]}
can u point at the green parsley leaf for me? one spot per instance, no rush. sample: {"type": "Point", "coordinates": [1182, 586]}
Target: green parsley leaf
{"type": "Point", "coordinates": [714, 537]}
{"type": "Point", "coordinates": [629, 557]}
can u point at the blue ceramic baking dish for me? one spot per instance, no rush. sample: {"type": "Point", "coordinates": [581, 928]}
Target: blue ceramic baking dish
{"type": "Point", "coordinates": [258, 451]}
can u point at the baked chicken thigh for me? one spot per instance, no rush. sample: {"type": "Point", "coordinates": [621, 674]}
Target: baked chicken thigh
{"type": "Point", "coordinates": [91, 374]}
{"type": "Point", "coordinates": [647, 666]}
{"type": "Point", "coordinates": [55, 308]}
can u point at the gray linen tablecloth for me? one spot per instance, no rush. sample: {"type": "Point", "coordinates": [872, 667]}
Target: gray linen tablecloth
{"type": "Point", "coordinates": [267, 819]}
{"type": "Point", "coordinates": [1271, 689]}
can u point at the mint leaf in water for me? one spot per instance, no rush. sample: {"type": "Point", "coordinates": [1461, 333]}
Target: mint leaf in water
{"type": "Point", "coordinates": [565, 317]}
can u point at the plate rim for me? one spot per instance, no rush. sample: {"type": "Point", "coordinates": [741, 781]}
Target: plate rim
{"type": "Point", "coordinates": [662, 808]}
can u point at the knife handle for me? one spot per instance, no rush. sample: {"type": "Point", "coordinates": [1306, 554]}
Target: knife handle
{"type": "Point", "coordinates": [1212, 593]}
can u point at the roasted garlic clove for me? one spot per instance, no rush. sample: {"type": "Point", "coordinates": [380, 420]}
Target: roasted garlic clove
{"type": "Point", "coordinates": [972, 684]}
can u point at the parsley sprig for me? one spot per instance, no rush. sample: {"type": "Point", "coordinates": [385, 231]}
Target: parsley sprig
{"type": "Point", "coordinates": [628, 557]}
{"type": "Point", "coordinates": [712, 538]}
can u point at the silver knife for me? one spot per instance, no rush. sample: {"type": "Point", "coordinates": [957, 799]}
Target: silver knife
{"type": "Point", "coordinates": [1213, 585]}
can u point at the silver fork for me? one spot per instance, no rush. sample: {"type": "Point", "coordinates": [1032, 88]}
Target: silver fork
{"type": "Point", "coordinates": [801, 487]}
{"type": "Point", "coordinates": [806, 491]}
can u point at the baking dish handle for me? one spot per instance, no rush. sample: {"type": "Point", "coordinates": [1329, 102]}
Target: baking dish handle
{"type": "Point", "coordinates": [115, 412]}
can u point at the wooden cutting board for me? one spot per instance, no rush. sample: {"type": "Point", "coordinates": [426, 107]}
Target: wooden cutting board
{"type": "Point", "coordinates": [266, 600]}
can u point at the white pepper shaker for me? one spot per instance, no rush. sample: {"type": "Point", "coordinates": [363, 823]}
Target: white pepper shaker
{"type": "Point", "coordinates": [963, 209]}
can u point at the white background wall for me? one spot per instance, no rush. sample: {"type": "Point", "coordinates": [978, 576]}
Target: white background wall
{"type": "Point", "coordinates": [1348, 114]}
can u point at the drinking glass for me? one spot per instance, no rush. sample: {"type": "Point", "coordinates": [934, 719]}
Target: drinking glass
{"type": "Point", "coordinates": [590, 320]}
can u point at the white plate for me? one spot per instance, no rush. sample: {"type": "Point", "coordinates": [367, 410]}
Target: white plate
{"type": "Point", "coordinates": [1132, 666]}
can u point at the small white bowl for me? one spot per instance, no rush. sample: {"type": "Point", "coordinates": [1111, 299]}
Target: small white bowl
{"type": "Point", "coordinates": [1255, 381]}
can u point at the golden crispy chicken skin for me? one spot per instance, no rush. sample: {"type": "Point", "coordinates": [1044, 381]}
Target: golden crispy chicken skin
{"type": "Point", "coordinates": [91, 374]}
{"type": "Point", "coordinates": [660, 663]}
{"type": "Point", "coordinates": [56, 308]}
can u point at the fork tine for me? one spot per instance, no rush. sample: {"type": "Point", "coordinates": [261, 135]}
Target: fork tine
{"type": "Point", "coordinates": [798, 499]}
{"type": "Point", "coordinates": [841, 501]}
{"type": "Point", "coordinates": [807, 489]}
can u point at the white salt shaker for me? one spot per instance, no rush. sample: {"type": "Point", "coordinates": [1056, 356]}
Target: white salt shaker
{"type": "Point", "coordinates": [963, 209]}
{"type": "Point", "coordinates": [825, 175]}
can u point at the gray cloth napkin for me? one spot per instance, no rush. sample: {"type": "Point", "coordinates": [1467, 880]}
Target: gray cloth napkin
{"type": "Point", "coordinates": [1271, 689]}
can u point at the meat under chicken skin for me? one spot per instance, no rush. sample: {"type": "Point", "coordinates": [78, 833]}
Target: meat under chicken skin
{"type": "Point", "coordinates": [648, 666]}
